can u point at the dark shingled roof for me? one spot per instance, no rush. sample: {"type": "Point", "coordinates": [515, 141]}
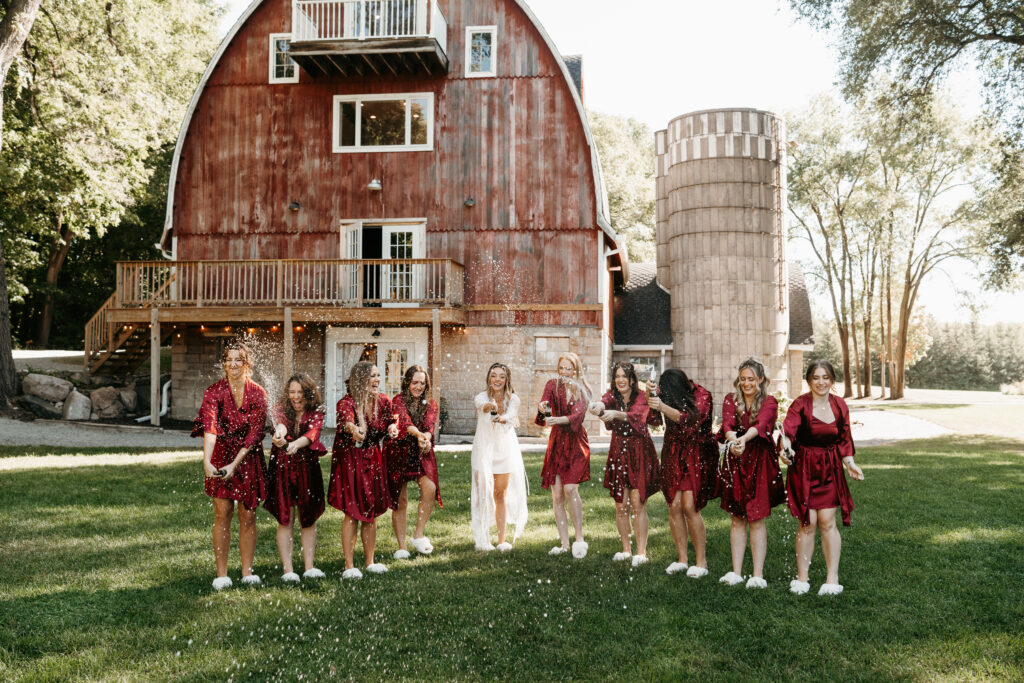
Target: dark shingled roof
{"type": "Point", "coordinates": [575, 65]}
{"type": "Point", "coordinates": [642, 308]}
{"type": "Point", "coordinates": [801, 330]}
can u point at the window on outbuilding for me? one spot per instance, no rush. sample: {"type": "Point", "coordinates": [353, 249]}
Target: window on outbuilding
{"type": "Point", "coordinates": [383, 123]}
{"type": "Point", "coordinates": [481, 51]}
{"type": "Point", "coordinates": [283, 68]}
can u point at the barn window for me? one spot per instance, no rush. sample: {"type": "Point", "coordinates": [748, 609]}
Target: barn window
{"type": "Point", "coordinates": [282, 67]}
{"type": "Point", "coordinates": [382, 123]}
{"type": "Point", "coordinates": [480, 51]}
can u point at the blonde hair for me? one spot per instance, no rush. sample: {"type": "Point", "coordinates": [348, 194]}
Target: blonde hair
{"type": "Point", "coordinates": [577, 367]}
{"type": "Point", "coordinates": [244, 354]}
{"type": "Point", "coordinates": [757, 367]}
{"type": "Point", "coordinates": [359, 388]}
{"type": "Point", "coordinates": [508, 383]}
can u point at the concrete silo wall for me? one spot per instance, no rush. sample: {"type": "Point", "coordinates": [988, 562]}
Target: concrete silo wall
{"type": "Point", "coordinates": [721, 244]}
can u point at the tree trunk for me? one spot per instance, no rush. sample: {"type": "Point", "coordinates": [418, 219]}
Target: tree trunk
{"type": "Point", "coordinates": [58, 252]}
{"type": "Point", "coordinates": [8, 375]}
{"type": "Point", "coordinates": [844, 344]}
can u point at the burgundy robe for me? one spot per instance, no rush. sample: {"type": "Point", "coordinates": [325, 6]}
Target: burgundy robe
{"type": "Point", "coordinates": [568, 454]}
{"type": "Point", "coordinates": [406, 462]}
{"type": "Point", "coordinates": [751, 484]}
{"type": "Point", "coordinates": [236, 427]}
{"type": "Point", "coordinates": [816, 479]}
{"type": "Point", "coordinates": [295, 480]}
{"type": "Point", "coordinates": [359, 480]}
{"type": "Point", "coordinates": [632, 458]}
{"type": "Point", "coordinates": [689, 456]}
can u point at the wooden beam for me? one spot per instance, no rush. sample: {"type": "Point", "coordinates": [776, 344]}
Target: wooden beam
{"type": "Point", "coordinates": [370, 64]}
{"type": "Point", "coordinates": [288, 340]}
{"type": "Point", "coordinates": [419, 58]}
{"type": "Point", "coordinates": [435, 371]}
{"type": "Point", "coordinates": [535, 307]}
{"type": "Point", "coordinates": [387, 63]}
{"type": "Point", "coordinates": [234, 315]}
{"type": "Point", "coordinates": [154, 367]}
{"type": "Point", "coordinates": [337, 66]}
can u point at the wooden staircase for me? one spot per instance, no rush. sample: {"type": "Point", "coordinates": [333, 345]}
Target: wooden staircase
{"type": "Point", "coordinates": [116, 348]}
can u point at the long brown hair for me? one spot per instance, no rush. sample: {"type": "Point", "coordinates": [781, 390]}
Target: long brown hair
{"type": "Point", "coordinates": [359, 389]}
{"type": "Point", "coordinates": [310, 394]}
{"type": "Point", "coordinates": [244, 353]}
{"type": "Point", "coordinates": [580, 383]}
{"type": "Point", "coordinates": [417, 407]}
{"type": "Point", "coordinates": [634, 384]}
{"type": "Point", "coordinates": [757, 367]}
{"type": "Point", "coordinates": [508, 383]}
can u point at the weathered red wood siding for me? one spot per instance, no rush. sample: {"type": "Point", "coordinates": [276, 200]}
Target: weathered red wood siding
{"type": "Point", "coordinates": [514, 143]}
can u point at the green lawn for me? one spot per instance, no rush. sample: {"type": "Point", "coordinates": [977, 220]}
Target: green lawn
{"type": "Point", "coordinates": [105, 574]}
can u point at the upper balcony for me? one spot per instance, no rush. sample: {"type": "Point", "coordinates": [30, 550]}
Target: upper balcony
{"type": "Point", "coordinates": [369, 37]}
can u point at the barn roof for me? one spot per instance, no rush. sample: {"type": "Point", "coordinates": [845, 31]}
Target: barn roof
{"type": "Point", "coordinates": [801, 328]}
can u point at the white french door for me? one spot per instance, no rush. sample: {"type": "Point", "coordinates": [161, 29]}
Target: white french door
{"type": "Point", "coordinates": [393, 285]}
{"type": "Point", "coordinates": [402, 282]}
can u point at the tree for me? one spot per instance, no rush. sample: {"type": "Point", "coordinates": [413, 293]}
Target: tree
{"type": "Point", "coordinates": [19, 15]}
{"type": "Point", "coordinates": [626, 148]}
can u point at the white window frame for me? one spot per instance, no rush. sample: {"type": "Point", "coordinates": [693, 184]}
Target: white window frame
{"type": "Point", "coordinates": [358, 100]}
{"type": "Point", "coordinates": [274, 37]}
{"type": "Point", "coordinates": [470, 30]}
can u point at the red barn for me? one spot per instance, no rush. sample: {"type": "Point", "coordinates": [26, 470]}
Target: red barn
{"type": "Point", "coordinates": [410, 181]}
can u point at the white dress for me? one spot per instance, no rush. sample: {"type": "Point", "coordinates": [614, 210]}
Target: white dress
{"type": "Point", "coordinates": [496, 451]}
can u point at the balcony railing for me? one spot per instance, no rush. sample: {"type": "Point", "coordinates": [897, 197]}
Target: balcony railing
{"type": "Point", "coordinates": [342, 283]}
{"type": "Point", "coordinates": [332, 20]}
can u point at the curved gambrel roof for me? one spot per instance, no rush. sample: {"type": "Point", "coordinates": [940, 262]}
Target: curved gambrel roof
{"type": "Point", "coordinates": [599, 186]}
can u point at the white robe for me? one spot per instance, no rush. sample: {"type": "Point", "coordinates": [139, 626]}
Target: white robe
{"type": "Point", "coordinates": [496, 446]}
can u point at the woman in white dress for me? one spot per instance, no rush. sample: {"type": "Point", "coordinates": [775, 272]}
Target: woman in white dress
{"type": "Point", "coordinates": [499, 477]}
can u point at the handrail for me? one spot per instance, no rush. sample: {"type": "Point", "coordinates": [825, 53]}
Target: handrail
{"type": "Point", "coordinates": [98, 331]}
{"type": "Point", "coordinates": [314, 20]}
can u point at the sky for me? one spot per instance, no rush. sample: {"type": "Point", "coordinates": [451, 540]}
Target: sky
{"type": "Point", "coordinates": [653, 60]}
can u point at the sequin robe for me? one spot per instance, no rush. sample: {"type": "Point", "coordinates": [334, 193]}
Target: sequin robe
{"type": "Point", "coordinates": [295, 480]}
{"type": "Point", "coordinates": [568, 454]}
{"type": "Point", "coordinates": [359, 481]}
{"type": "Point", "coordinates": [406, 462]}
{"type": "Point", "coordinates": [689, 456]}
{"type": "Point", "coordinates": [632, 458]}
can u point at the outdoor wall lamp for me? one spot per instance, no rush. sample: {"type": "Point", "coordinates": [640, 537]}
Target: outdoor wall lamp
{"type": "Point", "coordinates": [375, 333]}
{"type": "Point", "coordinates": [470, 202]}
{"type": "Point", "coordinates": [294, 206]}
{"type": "Point", "coordinates": [374, 185]}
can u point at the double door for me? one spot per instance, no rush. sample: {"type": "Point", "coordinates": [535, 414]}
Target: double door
{"type": "Point", "coordinates": [386, 284]}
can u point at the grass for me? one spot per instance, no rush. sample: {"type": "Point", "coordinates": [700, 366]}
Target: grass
{"type": "Point", "coordinates": [105, 574]}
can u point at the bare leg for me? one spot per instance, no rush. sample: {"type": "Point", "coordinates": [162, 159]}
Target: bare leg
{"type": "Point", "coordinates": [368, 532]}
{"type": "Point", "coordinates": [246, 538]}
{"type": "Point", "coordinates": [223, 510]}
{"type": "Point", "coordinates": [427, 494]}
{"type": "Point", "coordinates": [758, 546]}
{"type": "Point", "coordinates": [738, 543]}
{"type": "Point", "coordinates": [500, 511]}
{"type": "Point", "coordinates": [285, 546]}
{"type": "Point", "coordinates": [677, 526]}
{"type": "Point", "coordinates": [805, 546]}
{"type": "Point", "coordinates": [308, 537]}
{"type": "Point", "coordinates": [695, 525]}
{"type": "Point", "coordinates": [348, 540]}
{"type": "Point", "coordinates": [572, 496]}
{"type": "Point", "coordinates": [831, 543]}
{"type": "Point", "coordinates": [558, 502]}
{"type": "Point", "coordinates": [622, 522]}
{"type": "Point", "coordinates": [640, 524]}
{"type": "Point", "coordinates": [400, 516]}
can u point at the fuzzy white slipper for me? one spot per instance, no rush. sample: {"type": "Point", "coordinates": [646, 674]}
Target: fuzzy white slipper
{"type": "Point", "coordinates": [290, 577]}
{"type": "Point", "coordinates": [676, 567]}
{"type": "Point", "coordinates": [639, 560]}
{"type": "Point", "coordinates": [251, 580]}
{"type": "Point", "coordinates": [696, 572]}
{"type": "Point", "coordinates": [221, 582]}
{"type": "Point", "coordinates": [505, 547]}
{"type": "Point", "coordinates": [830, 589]}
{"type": "Point", "coordinates": [619, 557]}
{"type": "Point", "coordinates": [313, 573]}
{"type": "Point", "coordinates": [558, 550]}
{"type": "Point", "coordinates": [731, 579]}
{"type": "Point", "coordinates": [485, 548]}
{"type": "Point", "coordinates": [756, 582]}
{"type": "Point", "coordinates": [422, 545]}
{"type": "Point", "coordinates": [376, 568]}
{"type": "Point", "coordinates": [352, 574]}
{"type": "Point", "coordinates": [798, 587]}
{"type": "Point", "coordinates": [579, 549]}
{"type": "Point", "coordinates": [402, 554]}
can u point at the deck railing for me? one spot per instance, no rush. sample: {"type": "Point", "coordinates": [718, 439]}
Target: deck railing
{"type": "Point", "coordinates": [368, 19]}
{"type": "Point", "coordinates": [99, 331]}
{"type": "Point", "coordinates": [342, 283]}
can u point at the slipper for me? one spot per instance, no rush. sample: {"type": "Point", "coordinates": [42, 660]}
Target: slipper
{"type": "Point", "coordinates": [619, 557]}
{"type": "Point", "coordinates": [505, 547]}
{"type": "Point", "coordinates": [639, 560]}
{"type": "Point", "coordinates": [352, 574]}
{"type": "Point", "coordinates": [731, 579]}
{"type": "Point", "coordinates": [696, 572]}
{"type": "Point", "coordinates": [422, 545]}
{"type": "Point", "coordinates": [402, 554]}
{"type": "Point", "coordinates": [798, 587]}
{"type": "Point", "coordinates": [830, 589]}
{"type": "Point", "coordinates": [251, 580]}
{"type": "Point", "coordinates": [376, 568]}
{"type": "Point", "coordinates": [676, 567]}
{"type": "Point", "coordinates": [756, 582]}
{"type": "Point", "coordinates": [221, 582]}
{"type": "Point", "coordinates": [558, 550]}
{"type": "Point", "coordinates": [313, 573]}
{"type": "Point", "coordinates": [290, 577]}
{"type": "Point", "coordinates": [579, 549]}
{"type": "Point", "coordinates": [485, 548]}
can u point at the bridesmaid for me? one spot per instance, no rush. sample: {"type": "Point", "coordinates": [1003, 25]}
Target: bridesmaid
{"type": "Point", "coordinates": [294, 478]}
{"type": "Point", "coordinates": [689, 464]}
{"type": "Point", "coordinates": [567, 461]}
{"type": "Point", "coordinates": [411, 458]}
{"type": "Point", "coordinates": [232, 420]}
{"type": "Point", "coordinates": [632, 474]}
{"type": "Point", "coordinates": [818, 427]}
{"type": "Point", "coordinates": [751, 480]}
{"type": "Point", "coordinates": [359, 483]}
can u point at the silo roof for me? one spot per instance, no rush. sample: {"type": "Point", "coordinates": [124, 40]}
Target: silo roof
{"type": "Point", "coordinates": [801, 328]}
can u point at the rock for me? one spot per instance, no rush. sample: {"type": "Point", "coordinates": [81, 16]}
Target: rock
{"type": "Point", "coordinates": [77, 407]}
{"type": "Point", "coordinates": [129, 399]}
{"type": "Point", "coordinates": [106, 403]}
{"type": "Point", "coordinates": [93, 415]}
{"type": "Point", "coordinates": [39, 407]}
{"type": "Point", "coordinates": [52, 389]}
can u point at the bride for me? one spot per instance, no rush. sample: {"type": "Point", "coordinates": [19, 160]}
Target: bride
{"type": "Point", "coordinates": [499, 477]}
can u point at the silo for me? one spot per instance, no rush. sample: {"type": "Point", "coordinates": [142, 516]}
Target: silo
{"type": "Point", "coordinates": [721, 187]}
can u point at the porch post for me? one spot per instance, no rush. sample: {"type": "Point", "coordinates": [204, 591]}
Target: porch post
{"type": "Point", "coordinates": [287, 342]}
{"type": "Point", "coordinates": [435, 372]}
{"type": "Point", "coordinates": [154, 367]}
